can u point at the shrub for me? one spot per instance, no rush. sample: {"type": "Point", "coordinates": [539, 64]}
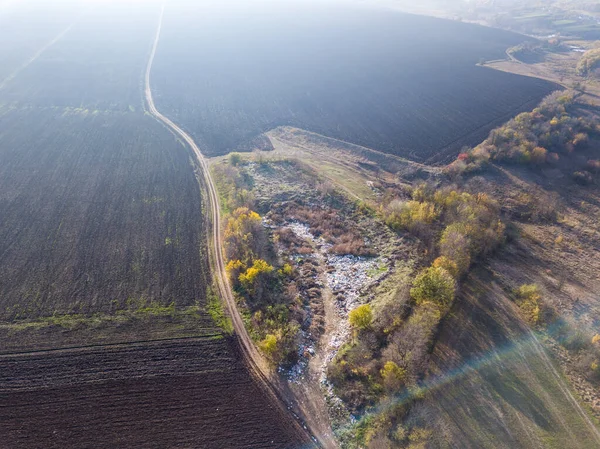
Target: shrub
{"type": "Point", "coordinates": [361, 317]}
{"type": "Point", "coordinates": [434, 285]}
{"type": "Point", "coordinates": [582, 177]}
{"type": "Point", "coordinates": [269, 345]}
{"type": "Point", "coordinates": [528, 299]}
{"type": "Point", "coordinates": [235, 159]}
{"type": "Point", "coordinates": [286, 270]}
{"type": "Point", "coordinates": [593, 166]}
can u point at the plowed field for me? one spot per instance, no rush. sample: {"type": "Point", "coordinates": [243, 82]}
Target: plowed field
{"type": "Point", "coordinates": [102, 240]}
{"type": "Point", "coordinates": [403, 84]}
{"type": "Point", "coordinates": [182, 393]}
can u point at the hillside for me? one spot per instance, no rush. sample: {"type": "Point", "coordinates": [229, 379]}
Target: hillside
{"type": "Point", "coordinates": [481, 370]}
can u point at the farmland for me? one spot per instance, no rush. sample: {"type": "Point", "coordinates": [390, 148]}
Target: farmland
{"type": "Point", "coordinates": [167, 394]}
{"type": "Point", "coordinates": [373, 294]}
{"type": "Point", "coordinates": [109, 329]}
{"type": "Point", "coordinates": [366, 77]}
{"type": "Point", "coordinates": [86, 227]}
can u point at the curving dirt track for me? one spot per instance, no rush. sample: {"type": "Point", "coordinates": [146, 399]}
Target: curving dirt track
{"type": "Point", "coordinates": [252, 358]}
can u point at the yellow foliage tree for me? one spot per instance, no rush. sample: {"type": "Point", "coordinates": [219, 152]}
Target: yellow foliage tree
{"type": "Point", "coordinates": [361, 317]}
{"type": "Point", "coordinates": [234, 268]}
{"type": "Point", "coordinates": [456, 245]}
{"type": "Point", "coordinates": [269, 345]}
{"type": "Point", "coordinates": [393, 376]}
{"type": "Point", "coordinates": [539, 155]}
{"type": "Point", "coordinates": [242, 234]}
{"type": "Point", "coordinates": [250, 277]}
{"type": "Point", "coordinates": [447, 264]}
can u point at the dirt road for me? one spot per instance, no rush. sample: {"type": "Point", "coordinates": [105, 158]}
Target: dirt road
{"type": "Point", "coordinates": [253, 359]}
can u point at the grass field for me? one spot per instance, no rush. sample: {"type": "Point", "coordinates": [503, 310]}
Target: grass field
{"type": "Point", "coordinates": [366, 77]}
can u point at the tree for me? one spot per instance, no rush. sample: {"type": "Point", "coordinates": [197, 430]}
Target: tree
{"type": "Point", "coordinates": [253, 278]}
{"type": "Point", "coordinates": [447, 264]}
{"type": "Point", "coordinates": [455, 245]}
{"type": "Point", "coordinates": [393, 376]}
{"type": "Point", "coordinates": [244, 235]}
{"type": "Point", "coordinates": [269, 345]}
{"type": "Point", "coordinates": [538, 155]}
{"type": "Point", "coordinates": [434, 284]}
{"type": "Point", "coordinates": [361, 317]}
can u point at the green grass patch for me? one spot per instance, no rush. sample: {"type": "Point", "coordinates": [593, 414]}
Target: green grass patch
{"type": "Point", "coordinates": [214, 307]}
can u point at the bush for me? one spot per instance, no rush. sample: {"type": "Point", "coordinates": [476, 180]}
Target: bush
{"type": "Point", "coordinates": [434, 285]}
{"type": "Point", "coordinates": [528, 299]}
{"type": "Point", "coordinates": [583, 178]}
{"type": "Point", "coordinates": [593, 166]}
{"type": "Point", "coordinates": [269, 345]}
{"type": "Point", "coordinates": [235, 159]}
{"type": "Point", "coordinates": [361, 317]}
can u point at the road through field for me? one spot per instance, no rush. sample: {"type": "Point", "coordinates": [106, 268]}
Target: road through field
{"type": "Point", "coordinates": [253, 360]}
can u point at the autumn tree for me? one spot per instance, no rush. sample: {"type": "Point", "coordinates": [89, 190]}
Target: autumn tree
{"type": "Point", "coordinates": [539, 155]}
{"type": "Point", "coordinates": [244, 235]}
{"type": "Point", "coordinates": [393, 376]}
{"type": "Point", "coordinates": [447, 264]}
{"type": "Point", "coordinates": [254, 279]}
{"type": "Point", "coordinates": [434, 284]}
{"type": "Point", "coordinates": [455, 245]}
{"type": "Point", "coordinates": [361, 317]}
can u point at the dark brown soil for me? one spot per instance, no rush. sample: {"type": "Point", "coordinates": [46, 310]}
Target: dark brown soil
{"type": "Point", "coordinates": [182, 393]}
